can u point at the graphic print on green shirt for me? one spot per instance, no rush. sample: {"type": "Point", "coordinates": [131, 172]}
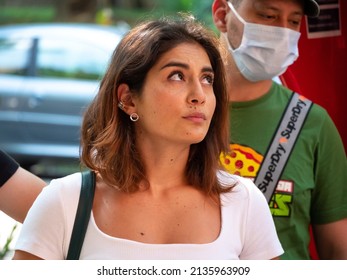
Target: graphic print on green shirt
{"type": "Point", "coordinates": [244, 161]}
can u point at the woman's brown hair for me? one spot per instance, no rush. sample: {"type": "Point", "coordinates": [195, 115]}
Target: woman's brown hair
{"type": "Point", "coordinates": [108, 138]}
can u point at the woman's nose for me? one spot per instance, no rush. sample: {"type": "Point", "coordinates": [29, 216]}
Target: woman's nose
{"type": "Point", "coordinates": [197, 94]}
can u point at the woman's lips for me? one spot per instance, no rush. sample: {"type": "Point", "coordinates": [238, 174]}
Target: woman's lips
{"type": "Point", "coordinates": [196, 117]}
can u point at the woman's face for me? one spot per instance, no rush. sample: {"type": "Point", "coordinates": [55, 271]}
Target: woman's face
{"type": "Point", "coordinates": [177, 102]}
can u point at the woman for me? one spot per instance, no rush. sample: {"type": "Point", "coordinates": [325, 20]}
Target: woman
{"type": "Point", "coordinates": [153, 135]}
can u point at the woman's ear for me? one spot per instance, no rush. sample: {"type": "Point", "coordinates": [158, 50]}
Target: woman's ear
{"type": "Point", "coordinates": [125, 99]}
{"type": "Point", "coordinates": [219, 12]}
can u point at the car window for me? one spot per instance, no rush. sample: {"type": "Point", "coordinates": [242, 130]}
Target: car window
{"type": "Point", "coordinates": [14, 54]}
{"type": "Point", "coordinates": [71, 59]}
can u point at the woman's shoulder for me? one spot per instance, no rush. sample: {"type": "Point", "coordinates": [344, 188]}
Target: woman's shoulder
{"type": "Point", "coordinates": [227, 179]}
{"type": "Point", "coordinates": [61, 195]}
{"type": "Point", "coordinates": [66, 186]}
{"type": "Point", "coordinates": [242, 187]}
{"type": "Point", "coordinates": [67, 181]}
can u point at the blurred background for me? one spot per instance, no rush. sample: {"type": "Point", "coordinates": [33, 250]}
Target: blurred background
{"type": "Point", "coordinates": [98, 11]}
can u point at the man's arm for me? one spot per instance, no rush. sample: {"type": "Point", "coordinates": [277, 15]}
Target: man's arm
{"type": "Point", "coordinates": [19, 192]}
{"type": "Point", "coordinates": [331, 241]}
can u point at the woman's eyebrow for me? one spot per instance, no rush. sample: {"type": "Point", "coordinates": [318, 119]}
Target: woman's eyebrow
{"type": "Point", "coordinates": [175, 64]}
{"type": "Point", "coordinates": [185, 66]}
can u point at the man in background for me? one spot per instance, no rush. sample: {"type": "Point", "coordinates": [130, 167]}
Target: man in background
{"type": "Point", "coordinates": [261, 41]}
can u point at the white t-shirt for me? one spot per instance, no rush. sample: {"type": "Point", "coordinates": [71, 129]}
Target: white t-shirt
{"type": "Point", "coordinates": [247, 230]}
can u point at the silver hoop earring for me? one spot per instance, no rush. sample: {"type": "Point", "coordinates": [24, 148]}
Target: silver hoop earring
{"type": "Point", "coordinates": [134, 117]}
{"type": "Point", "coordinates": [120, 105]}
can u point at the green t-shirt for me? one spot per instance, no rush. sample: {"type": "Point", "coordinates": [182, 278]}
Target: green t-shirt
{"type": "Point", "coordinates": [312, 188]}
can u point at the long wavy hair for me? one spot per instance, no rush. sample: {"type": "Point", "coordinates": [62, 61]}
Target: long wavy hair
{"type": "Point", "coordinates": [108, 137]}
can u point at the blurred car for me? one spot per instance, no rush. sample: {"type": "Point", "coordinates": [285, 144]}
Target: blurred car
{"type": "Point", "coordinates": [49, 73]}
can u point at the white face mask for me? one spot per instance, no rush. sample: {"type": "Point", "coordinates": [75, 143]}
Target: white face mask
{"type": "Point", "coordinates": [265, 51]}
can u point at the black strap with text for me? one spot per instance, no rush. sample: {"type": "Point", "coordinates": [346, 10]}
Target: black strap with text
{"type": "Point", "coordinates": [282, 144]}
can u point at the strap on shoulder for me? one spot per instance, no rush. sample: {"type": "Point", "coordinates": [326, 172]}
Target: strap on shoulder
{"type": "Point", "coordinates": [82, 215]}
{"type": "Point", "coordinates": [282, 144]}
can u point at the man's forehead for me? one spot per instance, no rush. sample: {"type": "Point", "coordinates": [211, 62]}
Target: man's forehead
{"type": "Point", "coordinates": [308, 7]}
{"type": "Point", "coordinates": [295, 5]}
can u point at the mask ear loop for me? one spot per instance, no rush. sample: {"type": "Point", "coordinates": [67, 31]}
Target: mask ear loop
{"type": "Point", "coordinates": [231, 6]}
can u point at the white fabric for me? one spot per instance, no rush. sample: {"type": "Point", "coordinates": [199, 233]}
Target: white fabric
{"type": "Point", "coordinates": [247, 232]}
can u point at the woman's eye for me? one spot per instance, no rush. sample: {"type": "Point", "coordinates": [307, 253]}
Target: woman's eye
{"type": "Point", "coordinates": [208, 79]}
{"type": "Point", "coordinates": [178, 76]}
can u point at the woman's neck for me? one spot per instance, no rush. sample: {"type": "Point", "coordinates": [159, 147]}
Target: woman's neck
{"type": "Point", "coordinates": [165, 167]}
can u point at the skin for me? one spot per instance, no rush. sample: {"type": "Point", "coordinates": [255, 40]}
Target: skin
{"type": "Point", "coordinates": [175, 109]}
{"type": "Point", "coordinates": [183, 114]}
{"type": "Point", "coordinates": [22, 188]}
{"type": "Point", "coordinates": [330, 238]}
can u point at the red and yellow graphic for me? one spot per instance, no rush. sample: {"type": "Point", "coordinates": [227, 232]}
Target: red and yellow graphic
{"type": "Point", "coordinates": [245, 162]}
{"type": "Point", "coordinates": [242, 161]}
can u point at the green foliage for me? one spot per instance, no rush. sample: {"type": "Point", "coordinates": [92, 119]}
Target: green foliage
{"type": "Point", "coordinates": [201, 9]}
{"type": "Point", "coordinates": [6, 248]}
{"type": "Point", "coordinates": [22, 14]}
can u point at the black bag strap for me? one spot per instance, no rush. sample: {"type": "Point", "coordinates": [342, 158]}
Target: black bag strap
{"type": "Point", "coordinates": [282, 144]}
{"type": "Point", "coordinates": [83, 212]}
